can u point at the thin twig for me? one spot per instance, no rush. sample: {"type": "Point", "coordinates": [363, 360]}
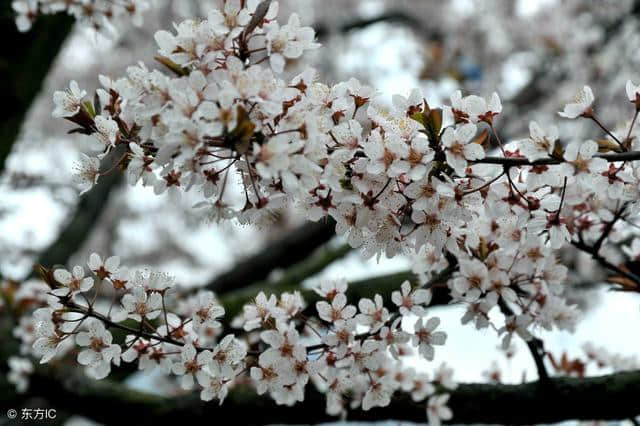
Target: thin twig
{"type": "Point", "coordinates": [535, 345]}
{"type": "Point", "coordinates": [595, 120]}
{"type": "Point", "coordinates": [523, 161]}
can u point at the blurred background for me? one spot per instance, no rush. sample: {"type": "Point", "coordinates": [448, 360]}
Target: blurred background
{"type": "Point", "coordinates": [535, 53]}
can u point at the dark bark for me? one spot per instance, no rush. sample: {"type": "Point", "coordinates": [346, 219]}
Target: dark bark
{"type": "Point", "coordinates": [607, 397]}
{"type": "Point", "coordinates": [25, 60]}
{"type": "Point", "coordinates": [24, 64]}
{"type": "Point", "coordinates": [383, 285]}
{"type": "Point", "coordinates": [323, 30]}
{"type": "Point", "coordinates": [522, 161]}
{"type": "Point", "coordinates": [294, 247]}
{"type": "Point", "coordinates": [78, 228]}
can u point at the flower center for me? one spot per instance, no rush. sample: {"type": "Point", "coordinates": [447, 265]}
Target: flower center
{"type": "Point", "coordinates": [97, 344]}
{"type": "Point", "coordinates": [457, 149]}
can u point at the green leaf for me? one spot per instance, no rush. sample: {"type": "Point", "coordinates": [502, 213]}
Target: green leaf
{"type": "Point", "coordinates": [89, 107]}
{"type": "Point", "coordinates": [240, 137]}
{"type": "Point", "coordinates": [419, 117]}
{"type": "Point", "coordinates": [177, 69]}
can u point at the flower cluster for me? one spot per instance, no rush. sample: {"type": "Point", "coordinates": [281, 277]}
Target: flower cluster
{"type": "Point", "coordinates": [395, 179]}
{"type": "Point", "coordinates": [400, 179]}
{"type": "Point", "coordinates": [604, 358]}
{"type": "Point", "coordinates": [98, 14]}
{"type": "Point", "coordinates": [19, 371]}
{"type": "Point", "coordinates": [352, 353]}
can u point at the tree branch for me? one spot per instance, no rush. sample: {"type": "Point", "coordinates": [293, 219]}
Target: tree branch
{"type": "Point", "coordinates": [604, 262]}
{"type": "Point", "coordinates": [535, 345]}
{"type": "Point", "coordinates": [523, 161]}
{"type": "Point", "coordinates": [286, 251]}
{"type": "Point", "coordinates": [87, 213]}
{"type": "Point", "coordinates": [324, 29]}
{"type": "Point", "coordinates": [604, 398]}
{"type": "Point", "coordinates": [382, 285]}
{"type": "Point", "coordinates": [24, 64]}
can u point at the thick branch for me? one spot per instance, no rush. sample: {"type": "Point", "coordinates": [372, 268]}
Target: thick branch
{"type": "Point", "coordinates": [392, 16]}
{"type": "Point", "coordinates": [604, 262]}
{"type": "Point", "coordinates": [522, 161]}
{"type": "Point", "coordinates": [24, 64]}
{"type": "Point", "coordinates": [606, 398]}
{"type": "Point", "coordinates": [78, 228]}
{"type": "Point", "coordinates": [294, 247]}
{"type": "Point", "coordinates": [383, 285]}
{"type": "Point", "coordinates": [88, 211]}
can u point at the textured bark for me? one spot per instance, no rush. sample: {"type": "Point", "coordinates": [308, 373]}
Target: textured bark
{"type": "Point", "coordinates": [607, 398]}
{"type": "Point", "coordinates": [25, 60]}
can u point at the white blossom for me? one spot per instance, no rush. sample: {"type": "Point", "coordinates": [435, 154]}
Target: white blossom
{"type": "Point", "coordinates": [190, 364]}
{"type": "Point", "coordinates": [47, 342]}
{"type": "Point", "coordinates": [540, 143]}
{"type": "Point", "coordinates": [68, 102]}
{"type": "Point", "coordinates": [19, 371]}
{"type": "Point", "coordinates": [337, 310]}
{"type": "Point", "coordinates": [87, 172]}
{"type": "Point", "coordinates": [409, 300]}
{"type": "Point", "coordinates": [100, 352]}
{"type": "Point", "coordinates": [373, 313]}
{"type": "Point", "coordinates": [460, 147]}
{"type": "Point", "coordinates": [633, 92]}
{"type": "Point", "coordinates": [139, 304]}
{"type": "Point", "coordinates": [582, 104]}
{"type": "Point", "coordinates": [72, 282]}
{"type": "Point", "coordinates": [437, 409]}
{"type": "Point", "coordinates": [103, 268]}
{"type": "Point", "coordinates": [378, 395]}
{"type": "Point", "coordinates": [425, 337]}
{"type": "Point", "coordinates": [207, 311]}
